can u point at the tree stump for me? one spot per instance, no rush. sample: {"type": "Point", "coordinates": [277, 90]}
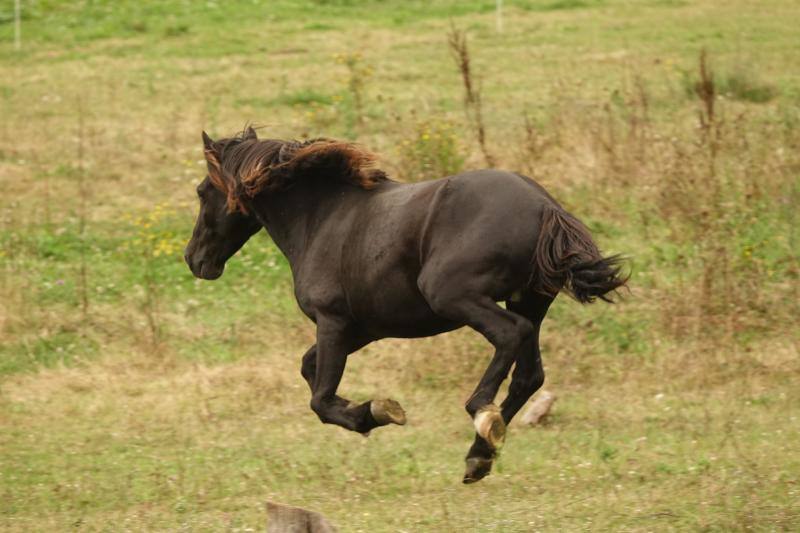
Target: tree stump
{"type": "Point", "coordinates": [538, 409]}
{"type": "Point", "coordinates": [286, 519]}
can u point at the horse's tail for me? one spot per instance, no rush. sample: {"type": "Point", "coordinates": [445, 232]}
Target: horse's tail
{"type": "Point", "coordinates": [566, 257]}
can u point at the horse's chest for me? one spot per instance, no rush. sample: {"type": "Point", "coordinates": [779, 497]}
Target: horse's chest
{"type": "Point", "coordinates": [319, 294]}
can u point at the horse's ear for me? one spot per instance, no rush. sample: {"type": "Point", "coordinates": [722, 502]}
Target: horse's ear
{"type": "Point", "coordinates": [212, 156]}
{"type": "Point", "coordinates": [250, 134]}
{"type": "Point", "coordinates": [214, 166]}
{"type": "Point", "coordinates": [208, 144]}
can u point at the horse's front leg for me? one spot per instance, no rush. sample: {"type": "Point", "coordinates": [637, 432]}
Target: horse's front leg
{"type": "Point", "coordinates": [308, 368]}
{"type": "Point", "coordinates": [335, 341]}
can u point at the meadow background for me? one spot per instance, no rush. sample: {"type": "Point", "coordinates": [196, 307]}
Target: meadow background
{"type": "Point", "coordinates": [135, 397]}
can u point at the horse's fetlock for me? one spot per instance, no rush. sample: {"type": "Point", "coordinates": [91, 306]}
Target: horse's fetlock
{"type": "Point", "coordinates": [474, 405]}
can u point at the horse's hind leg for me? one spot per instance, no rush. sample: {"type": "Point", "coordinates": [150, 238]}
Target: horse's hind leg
{"type": "Point", "coordinates": [510, 334]}
{"type": "Point", "coordinates": [528, 375]}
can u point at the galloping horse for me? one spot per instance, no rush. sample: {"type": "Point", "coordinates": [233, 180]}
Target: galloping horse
{"type": "Point", "coordinates": [373, 258]}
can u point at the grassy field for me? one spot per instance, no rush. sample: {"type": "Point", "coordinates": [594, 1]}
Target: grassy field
{"type": "Point", "coordinates": [135, 397]}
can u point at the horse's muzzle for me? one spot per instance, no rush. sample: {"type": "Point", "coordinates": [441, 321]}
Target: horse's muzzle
{"type": "Point", "coordinates": [204, 269]}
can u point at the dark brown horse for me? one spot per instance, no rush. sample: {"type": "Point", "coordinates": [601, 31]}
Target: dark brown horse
{"type": "Point", "coordinates": [372, 258]}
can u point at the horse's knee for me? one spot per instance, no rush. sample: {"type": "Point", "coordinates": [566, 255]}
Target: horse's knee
{"type": "Point", "coordinates": [308, 368]}
{"type": "Point", "coordinates": [316, 405]}
{"type": "Point", "coordinates": [319, 406]}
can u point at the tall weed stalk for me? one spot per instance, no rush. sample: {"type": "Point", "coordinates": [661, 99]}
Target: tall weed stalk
{"type": "Point", "coordinates": [473, 107]}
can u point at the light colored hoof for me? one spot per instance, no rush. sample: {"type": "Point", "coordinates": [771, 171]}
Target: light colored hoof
{"type": "Point", "coordinates": [490, 425]}
{"type": "Point", "coordinates": [387, 412]}
{"type": "Point", "coordinates": [477, 469]}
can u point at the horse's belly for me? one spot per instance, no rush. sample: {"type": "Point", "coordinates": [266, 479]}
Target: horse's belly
{"type": "Point", "coordinates": [431, 325]}
{"type": "Point", "coordinates": [409, 327]}
{"type": "Point", "coordinates": [396, 308]}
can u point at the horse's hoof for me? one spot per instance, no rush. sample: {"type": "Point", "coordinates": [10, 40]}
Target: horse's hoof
{"type": "Point", "coordinates": [387, 412]}
{"type": "Point", "coordinates": [477, 469]}
{"type": "Point", "coordinates": [490, 425]}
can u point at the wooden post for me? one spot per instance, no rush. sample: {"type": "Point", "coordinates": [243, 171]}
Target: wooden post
{"type": "Point", "coordinates": [286, 519]}
{"type": "Point", "coordinates": [499, 19]}
{"type": "Point", "coordinates": [538, 409]}
{"type": "Point", "coordinates": [17, 25]}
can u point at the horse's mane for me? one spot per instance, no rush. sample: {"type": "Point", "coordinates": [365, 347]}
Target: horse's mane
{"type": "Point", "coordinates": [243, 166]}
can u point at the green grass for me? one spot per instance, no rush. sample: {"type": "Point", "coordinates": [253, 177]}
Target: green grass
{"type": "Point", "coordinates": [739, 84]}
{"type": "Point", "coordinates": [302, 97]}
{"type": "Point", "coordinates": [204, 447]}
{"type": "Point", "coordinates": [171, 403]}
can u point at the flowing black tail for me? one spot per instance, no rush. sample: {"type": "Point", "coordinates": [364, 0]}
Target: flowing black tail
{"type": "Point", "coordinates": [566, 257]}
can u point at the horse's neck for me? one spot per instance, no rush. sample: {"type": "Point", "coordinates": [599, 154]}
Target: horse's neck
{"type": "Point", "coordinates": [291, 217]}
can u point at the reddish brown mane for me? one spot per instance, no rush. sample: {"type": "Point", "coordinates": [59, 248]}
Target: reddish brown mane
{"type": "Point", "coordinates": [243, 166]}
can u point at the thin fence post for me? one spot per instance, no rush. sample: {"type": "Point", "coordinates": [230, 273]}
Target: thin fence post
{"type": "Point", "coordinates": [17, 25]}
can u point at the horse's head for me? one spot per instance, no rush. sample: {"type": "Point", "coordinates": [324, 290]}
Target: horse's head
{"type": "Point", "coordinates": [219, 231]}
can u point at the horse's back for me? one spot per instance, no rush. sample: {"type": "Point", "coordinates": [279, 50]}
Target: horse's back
{"type": "Point", "coordinates": [483, 228]}
{"type": "Point", "coordinates": [490, 206]}
{"type": "Point", "coordinates": [482, 222]}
